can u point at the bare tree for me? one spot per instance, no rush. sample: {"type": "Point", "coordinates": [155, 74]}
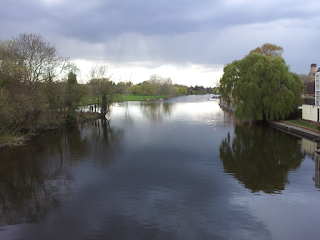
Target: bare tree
{"type": "Point", "coordinates": [304, 77]}
{"type": "Point", "coordinates": [156, 81]}
{"type": "Point", "coordinates": [98, 70]}
{"type": "Point", "coordinates": [270, 50]}
{"type": "Point", "coordinates": [127, 84]}
{"type": "Point", "coordinates": [41, 59]}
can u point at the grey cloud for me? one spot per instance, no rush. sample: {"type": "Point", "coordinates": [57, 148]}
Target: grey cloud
{"type": "Point", "coordinates": [97, 21]}
{"type": "Point", "coordinates": [201, 32]}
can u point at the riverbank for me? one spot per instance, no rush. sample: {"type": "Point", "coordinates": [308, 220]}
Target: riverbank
{"type": "Point", "coordinates": [296, 127]}
{"type": "Point", "coordinates": [15, 141]}
{"type": "Point", "coordinates": [298, 130]}
{"type": "Point", "coordinates": [79, 117]}
{"type": "Point", "coordinates": [20, 139]}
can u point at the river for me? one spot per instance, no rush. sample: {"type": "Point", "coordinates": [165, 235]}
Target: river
{"type": "Point", "coordinates": [174, 169]}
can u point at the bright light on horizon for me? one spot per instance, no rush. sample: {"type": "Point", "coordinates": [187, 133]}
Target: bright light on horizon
{"type": "Point", "coordinates": [188, 74]}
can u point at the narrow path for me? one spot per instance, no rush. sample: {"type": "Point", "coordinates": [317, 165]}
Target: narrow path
{"type": "Point", "coordinates": [297, 130]}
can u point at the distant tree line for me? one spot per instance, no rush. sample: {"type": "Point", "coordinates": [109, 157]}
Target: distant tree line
{"type": "Point", "coordinates": [155, 86]}
{"type": "Point", "coordinates": [200, 90]}
{"type": "Point", "coordinates": [158, 85]}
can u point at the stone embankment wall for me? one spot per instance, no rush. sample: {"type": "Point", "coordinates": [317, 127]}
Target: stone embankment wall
{"type": "Point", "coordinates": [297, 130]}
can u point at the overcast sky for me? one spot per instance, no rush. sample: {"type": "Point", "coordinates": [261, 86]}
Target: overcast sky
{"type": "Point", "coordinates": [186, 40]}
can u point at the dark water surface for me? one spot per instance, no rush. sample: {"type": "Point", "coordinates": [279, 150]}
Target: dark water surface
{"type": "Point", "coordinates": [175, 169]}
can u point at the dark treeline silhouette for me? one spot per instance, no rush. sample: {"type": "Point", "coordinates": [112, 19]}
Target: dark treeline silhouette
{"type": "Point", "coordinates": [199, 90]}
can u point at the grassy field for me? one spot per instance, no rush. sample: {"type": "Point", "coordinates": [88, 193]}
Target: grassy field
{"type": "Point", "coordinates": [122, 97]}
{"type": "Point", "coordinates": [303, 123]}
{"type": "Point", "coordinates": [132, 97]}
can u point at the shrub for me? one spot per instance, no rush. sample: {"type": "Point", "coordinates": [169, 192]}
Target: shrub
{"type": "Point", "coordinates": [70, 119]}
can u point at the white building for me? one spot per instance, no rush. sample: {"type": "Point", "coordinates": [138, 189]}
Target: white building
{"type": "Point", "coordinates": [312, 112]}
{"type": "Point", "coordinates": [317, 87]}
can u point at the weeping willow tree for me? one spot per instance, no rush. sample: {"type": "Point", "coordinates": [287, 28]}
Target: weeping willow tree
{"type": "Point", "coordinates": [261, 87]}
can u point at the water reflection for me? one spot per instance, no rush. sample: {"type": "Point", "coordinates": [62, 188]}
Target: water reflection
{"type": "Point", "coordinates": [31, 185]}
{"type": "Point", "coordinates": [34, 179]}
{"type": "Point", "coordinates": [260, 157]}
{"type": "Point", "coordinates": [310, 149]}
{"type": "Point", "coordinates": [156, 111]}
{"type": "Point", "coordinates": [317, 171]}
{"type": "Point", "coordinates": [145, 176]}
{"type": "Point", "coordinates": [104, 141]}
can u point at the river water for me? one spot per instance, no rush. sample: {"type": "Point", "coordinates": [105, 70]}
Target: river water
{"type": "Point", "coordinates": [175, 169]}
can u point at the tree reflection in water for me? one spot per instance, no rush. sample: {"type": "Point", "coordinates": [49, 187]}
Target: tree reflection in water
{"type": "Point", "coordinates": [260, 157]}
{"type": "Point", "coordinates": [34, 179]}
{"type": "Point", "coordinates": [155, 111]}
{"type": "Point", "coordinates": [104, 141]}
{"type": "Point", "coordinates": [31, 184]}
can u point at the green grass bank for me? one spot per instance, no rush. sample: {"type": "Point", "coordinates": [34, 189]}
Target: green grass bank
{"type": "Point", "coordinates": [121, 97]}
{"type": "Point", "coordinates": [304, 123]}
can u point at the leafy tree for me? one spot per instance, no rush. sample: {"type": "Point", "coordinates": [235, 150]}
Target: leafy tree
{"type": "Point", "coordinates": [147, 89]}
{"type": "Point", "coordinates": [183, 90]}
{"type": "Point", "coordinates": [97, 72]}
{"type": "Point", "coordinates": [108, 94]}
{"type": "Point", "coordinates": [74, 92]}
{"type": "Point", "coordinates": [30, 95]}
{"type": "Point", "coordinates": [123, 87]}
{"type": "Point", "coordinates": [156, 81]}
{"type": "Point", "coordinates": [215, 90]}
{"type": "Point", "coordinates": [102, 86]}
{"type": "Point", "coordinates": [166, 89]}
{"type": "Point", "coordinates": [54, 97]}
{"type": "Point", "coordinates": [176, 90]}
{"type": "Point", "coordinates": [9, 69]}
{"type": "Point", "coordinates": [134, 89]}
{"type": "Point", "coordinates": [72, 78]}
{"type": "Point", "coordinates": [261, 87]}
{"type": "Point", "coordinates": [199, 90]}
